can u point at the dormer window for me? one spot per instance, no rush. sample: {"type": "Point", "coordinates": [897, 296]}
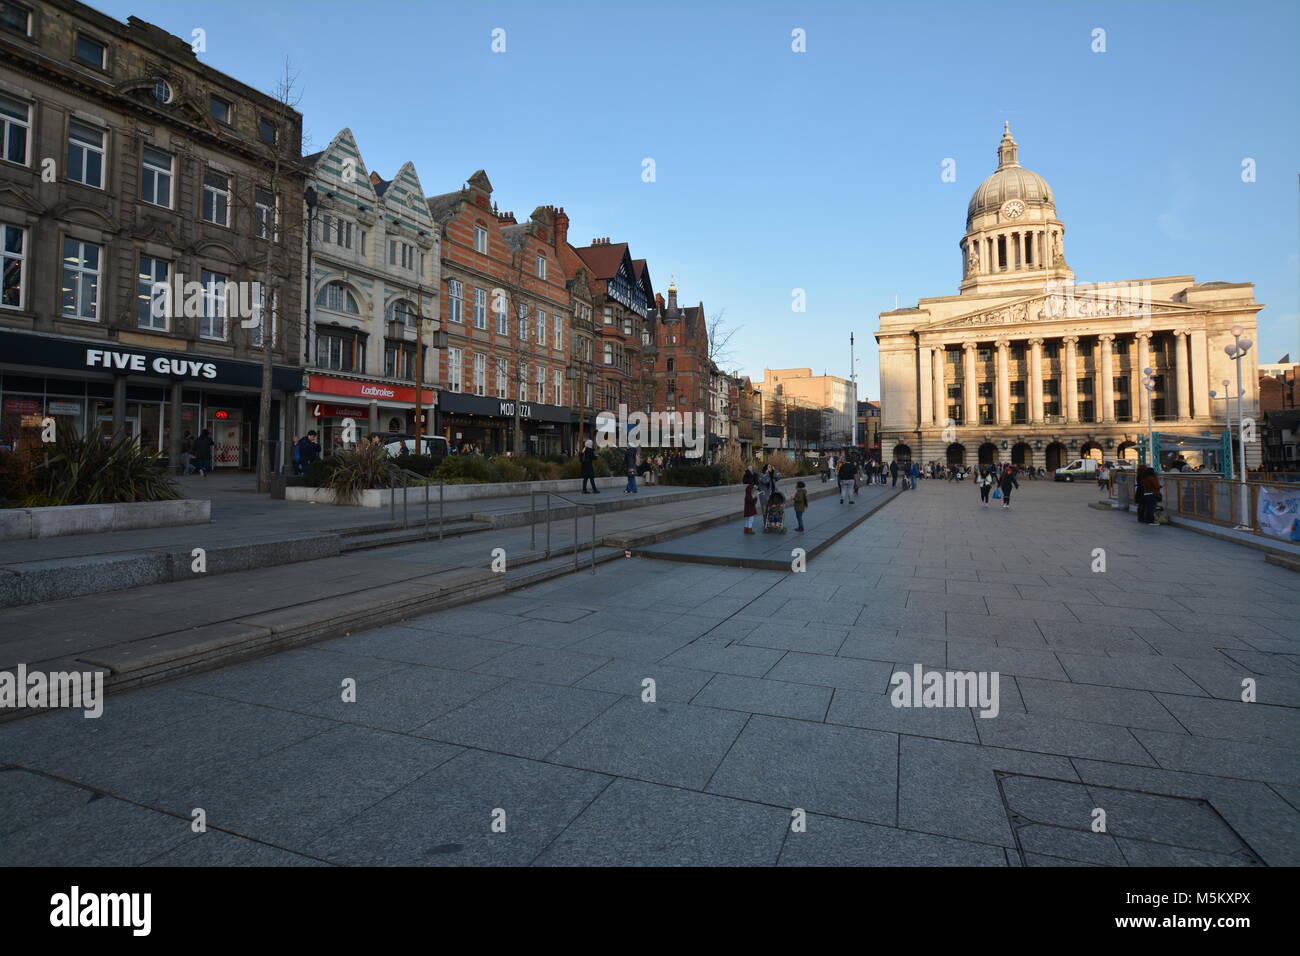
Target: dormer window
{"type": "Point", "coordinates": [162, 91]}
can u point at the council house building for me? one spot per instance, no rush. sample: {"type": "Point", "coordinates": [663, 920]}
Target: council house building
{"type": "Point", "coordinates": [1025, 366]}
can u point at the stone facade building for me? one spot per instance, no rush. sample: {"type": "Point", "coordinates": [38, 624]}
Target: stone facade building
{"type": "Point", "coordinates": [135, 182]}
{"type": "Point", "coordinates": [375, 265]}
{"type": "Point", "coordinates": [1025, 366]}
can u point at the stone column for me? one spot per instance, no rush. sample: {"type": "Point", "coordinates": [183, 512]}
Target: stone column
{"type": "Point", "coordinates": [1071, 380]}
{"type": "Point", "coordinates": [1003, 405]}
{"type": "Point", "coordinates": [1036, 381]}
{"type": "Point", "coordinates": [119, 406]}
{"type": "Point", "coordinates": [968, 387]}
{"type": "Point", "coordinates": [1143, 359]}
{"type": "Point", "coordinates": [1107, 377]}
{"type": "Point", "coordinates": [1180, 375]}
{"type": "Point", "coordinates": [1201, 376]}
{"type": "Point", "coordinates": [925, 384]}
{"type": "Point", "coordinates": [937, 386]}
{"type": "Point", "coordinates": [174, 425]}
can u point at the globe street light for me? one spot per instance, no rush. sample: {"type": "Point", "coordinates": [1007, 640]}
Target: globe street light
{"type": "Point", "coordinates": [1227, 403]}
{"type": "Point", "coordinates": [1237, 351]}
{"type": "Point", "coordinates": [1149, 384]}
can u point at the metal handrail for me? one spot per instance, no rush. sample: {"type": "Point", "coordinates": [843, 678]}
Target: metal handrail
{"type": "Point", "coordinates": [407, 479]}
{"type": "Point", "coordinates": [532, 523]}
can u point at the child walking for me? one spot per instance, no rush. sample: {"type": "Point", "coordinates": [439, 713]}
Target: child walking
{"type": "Point", "coordinates": [800, 503]}
{"type": "Point", "coordinates": [751, 507]}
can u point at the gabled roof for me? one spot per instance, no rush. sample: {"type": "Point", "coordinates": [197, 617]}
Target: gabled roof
{"type": "Point", "coordinates": [604, 259]}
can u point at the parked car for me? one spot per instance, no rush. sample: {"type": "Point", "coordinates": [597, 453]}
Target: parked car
{"type": "Point", "coordinates": [1079, 469]}
{"type": "Point", "coordinates": [431, 445]}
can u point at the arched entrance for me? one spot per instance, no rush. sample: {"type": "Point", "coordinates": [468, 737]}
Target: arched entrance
{"type": "Point", "coordinates": [988, 453]}
{"type": "Point", "coordinates": [1056, 456]}
{"type": "Point", "coordinates": [903, 454]}
{"type": "Point", "coordinates": [1127, 451]}
{"type": "Point", "coordinates": [1021, 453]}
{"type": "Point", "coordinates": [1090, 450]}
{"type": "Point", "coordinates": [956, 454]}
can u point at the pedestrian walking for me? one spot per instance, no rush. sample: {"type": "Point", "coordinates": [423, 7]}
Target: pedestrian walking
{"type": "Point", "coordinates": [751, 507]}
{"type": "Point", "coordinates": [187, 454]}
{"type": "Point", "coordinates": [800, 503]}
{"type": "Point", "coordinates": [629, 461]}
{"type": "Point", "coordinates": [1007, 482]}
{"type": "Point", "coordinates": [846, 474]}
{"type": "Point", "coordinates": [203, 452]}
{"type": "Point", "coordinates": [1149, 484]}
{"type": "Point", "coordinates": [985, 483]}
{"type": "Point", "coordinates": [914, 472]}
{"type": "Point", "coordinates": [587, 461]}
{"type": "Point", "coordinates": [893, 473]}
{"type": "Point", "coordinates": [767, 483]}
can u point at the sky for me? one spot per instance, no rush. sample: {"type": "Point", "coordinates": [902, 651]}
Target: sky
{"type": "Point", "coordinates": [820, 171]}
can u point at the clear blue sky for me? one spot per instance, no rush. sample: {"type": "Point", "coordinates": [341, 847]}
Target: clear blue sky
{"type": "Point", "coordinates": [818, 170]}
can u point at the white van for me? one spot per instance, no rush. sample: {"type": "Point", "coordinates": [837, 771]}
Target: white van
{"type": "Point", "coordinates": [1080, 468]}
{"type": "Point", "coordinates": [432, 445]}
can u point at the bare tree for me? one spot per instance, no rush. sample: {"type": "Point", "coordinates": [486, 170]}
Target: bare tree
{"type": "Point", "coordinates": [721, 333]}
{"type": "Point", "coordinates": [282, 154]}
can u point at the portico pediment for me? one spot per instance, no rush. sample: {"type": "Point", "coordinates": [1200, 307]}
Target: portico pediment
{"type": "Point", "coordinates": [1121, 302]}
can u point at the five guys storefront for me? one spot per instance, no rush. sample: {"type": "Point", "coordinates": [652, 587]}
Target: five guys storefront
{"type": "Point", "coordinates": [489, 423]}
{"type": "Point", "coordinates": [153, 395]}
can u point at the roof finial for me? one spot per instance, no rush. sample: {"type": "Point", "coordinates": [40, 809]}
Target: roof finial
{"type": "Point", "coordinates": [672, 283]}
{"type": "Point", "coordinates": [1008, 151]}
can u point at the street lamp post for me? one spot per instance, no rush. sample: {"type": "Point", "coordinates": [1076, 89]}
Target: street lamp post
{"type": "Point", "coordinates": [1237, 351]}
{"type": "Point", "coordinates": [439, 341]}
{"type": "Point", "coordinates": [1149, 383]}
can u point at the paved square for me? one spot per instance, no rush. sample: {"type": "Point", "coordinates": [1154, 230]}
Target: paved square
{"type": "Point", "coordinates": [665, 713]}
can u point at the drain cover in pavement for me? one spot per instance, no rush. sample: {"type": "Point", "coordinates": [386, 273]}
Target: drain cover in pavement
{"type": "Point", "coordinates": [1053, 823]}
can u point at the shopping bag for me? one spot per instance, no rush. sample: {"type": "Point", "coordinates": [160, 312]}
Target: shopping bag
{"type": "Point", "coordinates": [997, 492]}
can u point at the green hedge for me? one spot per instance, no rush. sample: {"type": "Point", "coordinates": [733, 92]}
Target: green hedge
{"type": "Point", "coordinates": [698, 476]}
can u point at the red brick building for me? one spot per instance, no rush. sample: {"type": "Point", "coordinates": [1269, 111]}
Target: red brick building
{"type": "Point", "coordinates": [681, 367]}
{"type": "Point", "coordinates": [622, 299]}
{"type": "Point", "coordinates": [506, 305]}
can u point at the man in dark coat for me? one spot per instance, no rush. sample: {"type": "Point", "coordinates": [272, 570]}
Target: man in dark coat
{"type": "Point", "coordinates": [203, 452]}
{"type": "Point", "coordinates": [308, 450]}
{"type": "Point", "coordinates": [588, 460]}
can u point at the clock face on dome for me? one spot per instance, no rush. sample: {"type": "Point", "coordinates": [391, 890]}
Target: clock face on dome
{"type": "Point", "coordinates": [1013, 209]}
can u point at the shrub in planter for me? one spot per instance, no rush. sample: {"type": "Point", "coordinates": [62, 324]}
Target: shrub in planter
{"type": "Point", "coordinates": [508, 469]}
{"type": "Point", "coordinates": [319, 471]}
{"type": "Point", "coordinates": [420, 464]}
{"type": "Point", "coordinates": [464, 469]}
{"type": "Point", "coordinates": [356, 471]}
{"type": "Point", "coordinates": [698, 476]}
{"type": "Point", "coordinates": [613, 459]}
{"type": "Point", "coordinates": [17, 479]}
{"type": "Point", "coordinates": [539, 470]}
{"type": "Point", "coordinates": [92, 470]}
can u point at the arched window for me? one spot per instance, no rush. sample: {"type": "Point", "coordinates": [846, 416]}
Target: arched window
{"type": "Point", "coordinates": [400, 310]}
{"type": "Point", "coordinates": [338, 298]}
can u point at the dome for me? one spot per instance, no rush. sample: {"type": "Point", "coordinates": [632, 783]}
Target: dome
{"type": "Point", "coordinates": [1010, 181]}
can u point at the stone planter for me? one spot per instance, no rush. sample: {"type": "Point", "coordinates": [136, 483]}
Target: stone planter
{"type": "Point", "coordinates": [63, 520]}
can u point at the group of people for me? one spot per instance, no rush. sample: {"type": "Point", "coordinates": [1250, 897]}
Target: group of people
{"type": "Point", "coordinates": [306, 450]}
{"type": "Point", "coordinates": [196, 453]}
{"type": "Point", "coordinates": [762, 496]}
{"type": "Point", "coordinates": [632, 463]}
{"type": "Point", "coordinates": [997, 484]}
